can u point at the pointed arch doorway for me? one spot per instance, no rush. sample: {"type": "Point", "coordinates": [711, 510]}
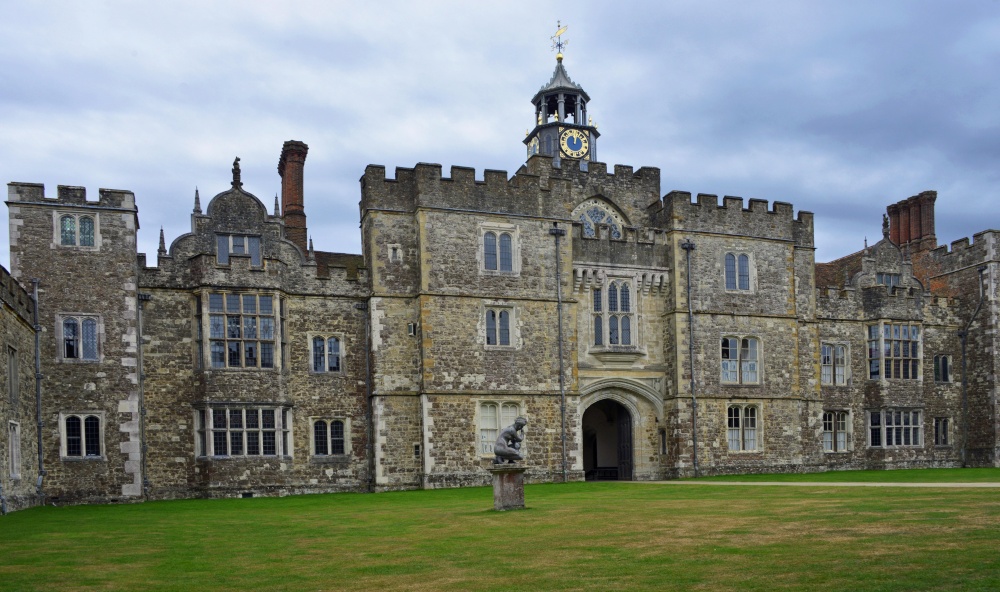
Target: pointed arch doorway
{"type": "Point", "coordinates": [607, 442]}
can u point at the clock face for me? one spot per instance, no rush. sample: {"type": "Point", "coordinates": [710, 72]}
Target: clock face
{"type": "Point", "coordinates": [574, 143]}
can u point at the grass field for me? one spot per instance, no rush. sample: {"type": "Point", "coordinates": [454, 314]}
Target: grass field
{"type": "Point", "coordinates": [577, 536]}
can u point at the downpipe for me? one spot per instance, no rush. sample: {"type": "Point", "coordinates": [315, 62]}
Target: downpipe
{"type": "Point", "coordinates": [688, 246]}
{"type": "Point", "coordinates": [38, 391]}
{"type": "Point", "coordinates": [963, 334]}
{"type": "Point", "coordinates": [558, 233]}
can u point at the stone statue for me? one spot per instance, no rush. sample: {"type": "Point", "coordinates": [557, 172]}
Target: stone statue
{"type": "Point", "coordinates": [508, 446]}
{"type": "Point", "coordinates": [236, 173]}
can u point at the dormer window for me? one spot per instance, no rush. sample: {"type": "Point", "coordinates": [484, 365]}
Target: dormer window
{"type": "Point", "coordinates": [887, 279]}
{"type": "Point", "coordinates": [240, 245]}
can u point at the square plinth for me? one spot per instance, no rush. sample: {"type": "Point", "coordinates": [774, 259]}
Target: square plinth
{"type": "Point", "coordinates": [508, 487]}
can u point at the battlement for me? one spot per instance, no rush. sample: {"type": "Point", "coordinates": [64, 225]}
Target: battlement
{"type": "Point", "coordinates": [16, 297]}
{"type": "Point", "coordinates": [426, 185]}
{"type": "Point", "coordinates": [957, 247]}
{"type": "Point", "coordinates": [69, 195]}
{"type": "Point", "coordinates": [963, 253]}
{"type": "Point", "coordinates": [677, 211]}
{"type": "Point", "coordinates": [851, 293]}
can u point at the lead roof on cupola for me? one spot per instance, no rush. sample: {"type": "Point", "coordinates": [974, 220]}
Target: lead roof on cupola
{"type": "Point", "coordinates": [560, 81]}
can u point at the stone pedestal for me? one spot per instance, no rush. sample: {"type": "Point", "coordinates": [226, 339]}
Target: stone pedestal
{"type": "Point", "coordinates": [508, 487]}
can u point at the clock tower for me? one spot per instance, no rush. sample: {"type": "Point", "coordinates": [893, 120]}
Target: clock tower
{"type": "Point", "coordinates": [562, 128]}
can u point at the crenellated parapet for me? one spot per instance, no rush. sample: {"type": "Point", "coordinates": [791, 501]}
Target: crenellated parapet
{"type": "Point", "coordinates": [15, 296]}
{"type": "Point", "coordinates": [962, 252]}
{"type": "Point", "coordinates": [677, 211]}
{"type": "Point", "coordinates": [537, 189]}
{"type": "Point", "coordinates": [68, 195]}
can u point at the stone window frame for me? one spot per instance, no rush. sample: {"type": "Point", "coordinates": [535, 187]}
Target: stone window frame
{"type": "Point", "coordinates": [899, 357]}
{"type": "Point", "coordinates": [739, 426]}
{"type": "Point", "coordinates": [206, 429]}
{"type": "Point", "coordinates": [943, 368]}
{"type": "Point", "coordinates": [207, 313]}
{"type": "Point", "coordinates": [514, 332]}
{"type": "Point", "coordinates": [741, 365]}
{"type": "Point", "coordinates": [81, 318]}
{"type": "Point", "coordinates": [837, 431]}
{"type": "Point", "coordinates": [737, 276]}
{"type": "Point", "coordinates": [14, 449]}
{"type": "Point", "coordinates": [86, 439]}
{"type": "Point", "coordinates": [601, 314]}
{"type": "Point", "coordinates": [942, 431]}
{"type": "Point", "coordinates": [499, 229]}
{"type": "Point", "coordinates": [488, 434]}
{"type": "Point", "coordinates": [835, 379]}
{"type": "Point", "coordinates": [326, 337]}
{"type": "Point", "coordinates": [345, 441]}
{"type": "Point", "coordinates": [394, 253]}
{"type": "Point", "coordinates": [57, 217]}
{"type": "Point", "coordinates": [902, 426]}
{"type": "Point", "coordinates": [256, 258]}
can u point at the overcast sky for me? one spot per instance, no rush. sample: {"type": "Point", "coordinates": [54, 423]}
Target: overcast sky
{"type": "Point", "coordinates": [839, 107]}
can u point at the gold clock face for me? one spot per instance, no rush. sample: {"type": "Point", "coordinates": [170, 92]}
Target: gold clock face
{"type": "Point", "coordinates": [574, 143]}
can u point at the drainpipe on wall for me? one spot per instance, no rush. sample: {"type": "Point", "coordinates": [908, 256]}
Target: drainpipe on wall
{"type": "Point", "coordinates": [142, 299]}
{"type": "Point", "coordinates": [964, 336]}
{"type": "Point", "coordinates": [369, 411]}
{"type": "Point", "coordinates": [688, 246]}
{"type": "Point", "coordinates": [38, 390]}
{"type": "Point", "coordinates": [558, 233]}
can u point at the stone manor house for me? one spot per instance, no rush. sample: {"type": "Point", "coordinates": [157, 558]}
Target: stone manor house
{"type": "Point", "coordinates": [643, 336]}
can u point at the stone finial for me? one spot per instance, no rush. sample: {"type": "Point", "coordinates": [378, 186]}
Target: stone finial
{"type": "Point", "coordinates": [885, 226]}
{"type": "Point", "coordinates": [277, 208]}
{"type": "Point", "coordinates": [237, 183]}
{"type": "Point", "coordinates": [162, 251]}
{"type": "Point", "coordinates": [312, 253]}
{"type": "Point", "coordinates": [197, 201]}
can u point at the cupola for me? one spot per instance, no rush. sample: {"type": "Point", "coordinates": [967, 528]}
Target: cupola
{"type": "Point", "coordinates": [562, 128]}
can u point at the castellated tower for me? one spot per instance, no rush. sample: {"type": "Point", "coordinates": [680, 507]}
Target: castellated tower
{"type": "Point", "coordinates": [83, 253]}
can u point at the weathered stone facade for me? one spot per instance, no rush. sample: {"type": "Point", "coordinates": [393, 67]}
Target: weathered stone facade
{"type": "Point", "coordinates": [696, 337]}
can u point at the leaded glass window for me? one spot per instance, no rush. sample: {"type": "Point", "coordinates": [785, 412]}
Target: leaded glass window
{"type": "Point", "coordinates": [241, 330]}
{"type": "Point", "coordinates": [595, 215]}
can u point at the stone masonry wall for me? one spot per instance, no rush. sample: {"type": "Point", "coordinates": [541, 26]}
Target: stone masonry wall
{"type": "Point", "coordinates": [97, 282]}
{"type": "Point", "coordinates": [17, 401]}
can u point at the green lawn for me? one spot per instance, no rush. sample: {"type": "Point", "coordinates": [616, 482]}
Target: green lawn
{"type": "Point", "coordinates": [898, 476]}
{"type": "Point", "coordinates": [578, 536]}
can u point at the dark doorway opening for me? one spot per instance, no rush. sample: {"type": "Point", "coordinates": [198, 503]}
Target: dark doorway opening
{"type": "Point", "coordinates": [607, 442]}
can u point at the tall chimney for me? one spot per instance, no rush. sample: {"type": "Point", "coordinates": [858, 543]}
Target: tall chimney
{"type": "Point", "coordinates": [290, 165]}
{"type": "Point", "coordinates": [893, 212]}
{"type": "Point", "coordinates": [911, 221]}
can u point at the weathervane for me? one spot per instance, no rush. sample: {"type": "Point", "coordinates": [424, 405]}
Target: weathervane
{"type": "Point", "coordinates": [557, 41]}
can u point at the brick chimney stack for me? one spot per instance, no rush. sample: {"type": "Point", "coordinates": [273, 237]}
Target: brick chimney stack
{"type": "Point", "coordinates": [911, 221]}
{"type": "Point", "coordinates": [290, 166]}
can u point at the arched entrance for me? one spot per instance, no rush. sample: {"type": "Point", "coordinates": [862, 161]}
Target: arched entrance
{"type": "Point", "coordinates": [607, 442]}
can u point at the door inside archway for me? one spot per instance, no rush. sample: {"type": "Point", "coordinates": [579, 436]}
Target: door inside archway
{"type": "Point", "coordinates": [607, 442]}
